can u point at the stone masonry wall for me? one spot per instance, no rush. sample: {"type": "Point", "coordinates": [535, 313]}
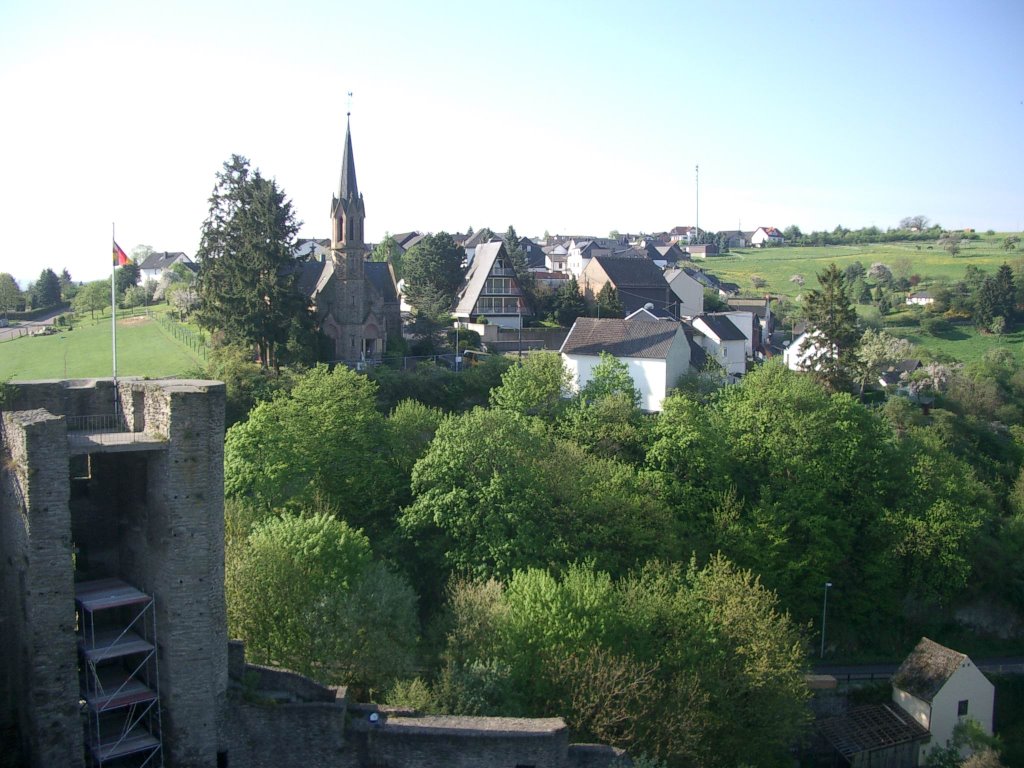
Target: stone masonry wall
{"type": "Point", "coordinates": [182, 565]}
{"type": "Point", "coordinates": [39, 656]}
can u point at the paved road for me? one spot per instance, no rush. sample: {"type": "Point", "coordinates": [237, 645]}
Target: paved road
{"type": "Point", "coordinates": [30, 325]}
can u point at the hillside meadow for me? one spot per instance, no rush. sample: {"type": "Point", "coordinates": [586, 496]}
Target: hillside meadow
{"type": "Point", "coordinates": [143, 349]}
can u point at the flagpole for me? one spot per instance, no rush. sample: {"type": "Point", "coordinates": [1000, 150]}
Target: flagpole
{"type": "Point", "coordinates": [113, 309]}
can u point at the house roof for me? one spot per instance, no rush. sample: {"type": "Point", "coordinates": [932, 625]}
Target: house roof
{"type": "Point", "coordinates": [722, 327]}
{"type": "Point", "coordinates": [651, 311]}
{"type": "Point", "coordinates": [923, 673]}
{"type": "Point", "coordinates": [870, 727]}
{"type": "Point", "coordinates": [631, 270]}
{"type": "Point", "coordinates": [480, 236]}
{"type": "Point", "coordinates": [379, 275]}
{"type": "Point", "coordinates": [164, 259]}
{"type": "Point", "coordinates": [650, 339]}
{"type": "Point", "coordinates": [476, 275]}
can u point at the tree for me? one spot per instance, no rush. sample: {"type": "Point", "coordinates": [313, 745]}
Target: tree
{"type": "Point", "coordinates": [92, 297]}
{"type": "Point", "coordinates": [568, 304]}
{"type": "Point", "coordinates": [951, 242]}
{"type": "Point", "coordinates": [520, 264]}
{"type": "Point", "coordinates": [67, 285]}
{"type": "Point", "coordinates": [609, 378]}
{"type": "Point", "coordinates": [535, 386]}
{"type": "Point", "coordinates": [607, 302]}
{"type": "Point", "coordinates": [792, 233]}
{"type": "Point", "coordinates": [876, 350]}
{"type": "Point", "coordinates": [319, 441]}
{"type": "Point", "coordinates": [880, 272]}
{"type": "Point", "coordinates": [388, 250]}
{"type": "Point", "coordinates": [125, 277]}
{"type": "Point", "coordinates": [10, 294]}
{"type": "Point", "coordinates": [304, 593]}
{"type": "Point", "coordinates": [798, 280]}
{"type": "Point", "coordinates": [914, 222]}
{"type": "Point", "coordinates": [246, 285]}
{"type": "Point", "coordinates": [1010, 242]}
{"type": "Point", "coordinates": [47, 289]}
{"type": "Point", "coordinates": [433, 272]}
{"type": "Point", "coordinates": [833, 321]}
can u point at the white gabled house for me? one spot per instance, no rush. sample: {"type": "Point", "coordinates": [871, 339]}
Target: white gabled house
{"type": "Point", "coordinates": [723, 341]}
{"type": "Point", "coordinates": [766, 236]}
{"type": "Point", "coordinates": [798, 355]}
{"type": "Point", "coordinates": [656, 353]}
{"type": "Point", "coordinates": [939, 688]}
{"type": "Point", "coordinates": [921, 299]}
{"type": "Point", "coordinates": [157, 263]}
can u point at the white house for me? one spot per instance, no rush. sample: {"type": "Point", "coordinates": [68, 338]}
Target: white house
{"type": "Point", "coordinates": [580, 253]}
{"type": "Point", "coordinates": [748, 324]}
{"type": "Point", "coordinates": [154, 265]}
{"type": "Point", "coordinates": [656, 353]}
{"type": "Point", "coordinates": [556, 257]}
{"type": "Point", "coordinates": [766, 236]}
{"type": "Point", "coordinates": [688, 290]}
{"type": "Point", "coordinates": [939, 688]}
{"type": "Point", "coordinates": [921, 299]}
{"type": "Point", "coordinates": [723, 341]}
{"type": "Point", "coordinates": [798, 354]}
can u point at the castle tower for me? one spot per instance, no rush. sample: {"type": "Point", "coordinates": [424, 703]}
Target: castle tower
{"type": "Point", "coordinates": [348, 252]}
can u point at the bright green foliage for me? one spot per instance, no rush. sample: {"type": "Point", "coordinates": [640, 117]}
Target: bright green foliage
{"type": "Point", "coordinates": [125, 277]}
{"type": "Point", "coordinates": [536, 386]}
{"type": "Point", "coordinates": [875, 352]}
{"type": "Point", "coordinates": [495, 492]}
{"type": "Point", "coordinates": [303, 593]}
{"type": "Point", "coordinates": [834, 321]}
{"type": "Point", "coordinates": [10, 294]}
{"type": "Point", "coordinates": [245, 283]}
{"type": "Point", "coordinates": [664, 662]}
{"type": "Point", "coordinates": [388, 250]}
{"type": "Point", "coordinates": [433, 272]}
{"type": "Point", "coordinates": [92, 297]}
{"type": "Point", "coordinates": [611, 426]}
{"type": "Point", "coordinates": [610, 377]}
{"type": "Point", "coordinates": [321, 440]}
{"type": "Point", "coordinates": [247, 382]}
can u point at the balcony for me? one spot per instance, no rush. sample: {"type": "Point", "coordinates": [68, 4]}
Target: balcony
{"type": "Point", "coordinates": [107, 433]}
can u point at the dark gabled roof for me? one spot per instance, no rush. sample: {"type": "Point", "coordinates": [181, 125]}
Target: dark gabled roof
{"type": "Point", "coordinates": [631, 271]}
{"type": "Point", "coordinates": [758, 306]}
{"type": "Point", "coordinates": [311, 276]}
{"type": "Point", "coordinates": [164, 259]}
{"type": "Point", "coordinates": [379, 275]}
{"type": "Point", "coordinates": [650, 339]}
{"type": "Point", "coordinates": [869, 728]}
{"type": "Point", "coordinates": [923, 673]}
{"type": "Point", "coordinates": [723, 327]}
{"type": "Point", "coordinates": [478, 237]}
{"type": "Point", "coordinates": [651, 311]}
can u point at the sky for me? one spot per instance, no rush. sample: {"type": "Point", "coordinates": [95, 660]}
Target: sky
{"type": "Point", "coordinates": [566, 117]}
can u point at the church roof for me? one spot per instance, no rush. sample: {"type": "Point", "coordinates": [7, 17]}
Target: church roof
{"type": "Point", "coordinates": [379, 275]}
{"type": "Point", "coordinates": [311, 276]}
{"type": "Point", "coordinates": [347, 188]}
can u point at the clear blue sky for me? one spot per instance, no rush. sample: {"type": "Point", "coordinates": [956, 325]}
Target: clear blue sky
{"type": "Point", "coordinates": [572, 117]}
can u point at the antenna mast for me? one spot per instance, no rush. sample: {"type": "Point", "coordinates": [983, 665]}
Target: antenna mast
{"type": "Point", "coordinates": [697, 215]}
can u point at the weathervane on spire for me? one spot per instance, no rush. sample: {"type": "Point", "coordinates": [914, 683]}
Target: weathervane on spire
{"type": "Point", "coordinates": [348, 113]}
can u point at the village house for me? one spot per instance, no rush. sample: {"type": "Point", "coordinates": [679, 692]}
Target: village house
{"type": "Point", "coordinates": [723, 342]}
{"type": "Point", "coordinates": [490, 289]}
{"type": "Point", "coordinates": [656, 353]}
{"type": "Point", "coordinates": [920, 299]}
{"type": "Point", "coordinates": [154, 266]}
{"type": "Point", "coordinates": [687, 290]}
{"type": "Point", "coordinates": [765, 236]}
{"type": "Point", "coordinates": [637, 280]}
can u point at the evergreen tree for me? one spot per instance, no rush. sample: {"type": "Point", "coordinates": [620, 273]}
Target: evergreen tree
{"type": "Point", "coordinates": [834, 323]}
{"type": "Point", "coordinates": [10, 294]}
{"type": "Point", "coordinates": [569, 303]}
{"type": "Point", "coordinates": [47, 289]}
{"type": "Point", "coordinates": [246, 284]}
{"type": "Point", "coordinates": [1006, 291]}
{"type": "Point", "coordinates": [125, 277]}
{"type": "Point", "coordinates": [608, 304]}
{"type": "Point", "coordinates": [521, 265]}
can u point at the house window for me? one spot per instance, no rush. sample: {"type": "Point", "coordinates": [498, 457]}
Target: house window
{"type": "Point", "coordinates": [961, 708]}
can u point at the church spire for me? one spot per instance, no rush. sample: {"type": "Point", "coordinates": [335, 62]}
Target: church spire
{"type": "Point", "coordinates": [347, 189]}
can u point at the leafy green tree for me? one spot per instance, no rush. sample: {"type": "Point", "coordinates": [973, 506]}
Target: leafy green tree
{"type": "Point", "coordinates": [610, 377]}
{"type": "Point", "coordinates": [140, 253]}
{"type": "Point", "coordinates": [538, 385]}
{"type": "Point", "coordinates": [388, 250]}
{"type": "Point", "coordinates": [433, 272]}
{"type": "Point", "coordinates": [10, 294]}
{"type": "Point", "coordinates": [47, 289]}
{"type": "Point", "coordinates": [321, 441]}
{"type": "Point", "coordinates": [247, 382]}
{"type": "Point", "coordinates": [92, 297]}
{"type": "Point", "coordinates": [607, 302]}
{"type": "Point", "coordinates": [951, 242]}
{"type": "Point", "coordinates": [833, 320]}
{"type": "Point", "coordinates": [246, 285]}
{"type": "Point", "coordinates": [305, 594]}
{"type": "Point", "coordinates": [876, 351]}
{"type": "Point", "coordinates": [1010, 242]}
{"type": "Point", "coordinates": [492, 494]}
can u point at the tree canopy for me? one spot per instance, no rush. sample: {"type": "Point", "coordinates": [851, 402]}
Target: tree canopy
{"type": "Point", "coordinates": [246, 286]}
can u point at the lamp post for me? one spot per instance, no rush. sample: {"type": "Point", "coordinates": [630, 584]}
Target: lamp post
{"type": "Point", "coordinates": [824, 614]}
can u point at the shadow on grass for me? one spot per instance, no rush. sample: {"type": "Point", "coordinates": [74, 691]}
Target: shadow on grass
{"type": "Point", "coordinates": [952, 334]}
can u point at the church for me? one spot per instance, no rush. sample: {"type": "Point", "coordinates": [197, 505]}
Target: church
{"type": "Point", "coordinates": [354, 301]}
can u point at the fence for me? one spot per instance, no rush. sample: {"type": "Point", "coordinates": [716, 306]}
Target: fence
{"type": "Point", "coordinates": [12, 332]}
{"type": "Point", "coordinates": [194, 341]}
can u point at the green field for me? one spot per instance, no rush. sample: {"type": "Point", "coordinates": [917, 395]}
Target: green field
{"type": "Point", "coordinates": [143, 349]}
{"type": "Point", "coordinates": [928, 260]}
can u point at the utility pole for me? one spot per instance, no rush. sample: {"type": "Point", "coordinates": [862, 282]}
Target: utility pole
{"type": "Point", "coordinates": [696, 223]}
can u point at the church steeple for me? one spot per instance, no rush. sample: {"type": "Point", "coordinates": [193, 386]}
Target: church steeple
{"type": "Point", "coordinates": [347, 209]}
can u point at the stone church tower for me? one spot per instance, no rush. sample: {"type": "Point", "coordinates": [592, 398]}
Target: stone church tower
{"type": "Point", "coordinates": [348, 254]}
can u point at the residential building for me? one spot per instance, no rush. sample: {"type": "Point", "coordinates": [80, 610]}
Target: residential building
{"type": "Point", "coordinates": [688, 290]}
{"type": "Point", "coordinates": [157, 263]}
{"type": "Point", "coordinates": [655, 352]}
{"type": "Point", "coordinates": [766, 236]}
{"type": "Point", "coordinates": [636, 280]}
{"type": "Point", "coordinates": [490, 289]}
{"type": "Point", "coordinates": [723, 342]}
{"type": "Point", "coordinates": [921, 299]}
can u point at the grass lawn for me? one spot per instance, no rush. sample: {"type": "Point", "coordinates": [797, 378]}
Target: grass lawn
{"type": "Point", "coordinates": [143, 349]}
{"type": "Point", "coordinates": [929, 260]}
{"type": "Point", "coordinates": [963, 342]}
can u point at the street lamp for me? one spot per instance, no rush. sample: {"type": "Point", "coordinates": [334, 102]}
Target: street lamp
{"type": "Point", "coordinates": [824, 613]}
